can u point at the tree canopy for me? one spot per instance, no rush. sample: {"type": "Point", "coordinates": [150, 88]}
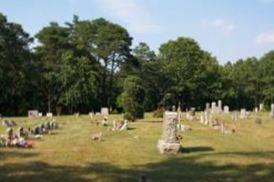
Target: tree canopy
{"type": "Point", "coordinates": [83, 65]}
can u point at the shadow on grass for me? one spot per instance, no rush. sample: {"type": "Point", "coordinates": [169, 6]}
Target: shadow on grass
{"type": "Point", "coordinates": [181, 168]}
{"type": "Point", "coordinates": [21, 153]}
{"type": "Point", "coordinates": [131, 128]}
{"type": "Point", "coordinates": [196, 149]}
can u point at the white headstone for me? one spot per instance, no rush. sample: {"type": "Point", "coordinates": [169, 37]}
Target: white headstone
{"type": "Point", "coordinates": [33, 114]}
{"type": "Point", "coordinates": [90, 115]}
{"type": "Point", "coordinates": [206, 118]}
{"type": "Point", "coordinates": [213, 108]}
{"type": "Point", "coordinates": [207, 106]}
{"type": "Point", "coordinates": [40, 114]}
{"type": "Point", "coordinates": [243, 114]}
{"type": "Point", "coordinates": [179, 114]}
{"type": "Point", "coordinates": [49, 115]}
{"type": "Point", "coordinates": [226, 109]}
{"type": "Point", "coordinates": [220, 107]}
{"type": "Point", "coordinates": [234, 116]}
{"type": "Point", "coordinates": [256, 109]}
{"type": "Point", "coordinates": [173, 108]}
{"type": "Point", "coordinates": [202, 118]}
{"type": "Point", "coordinates": [261, 107]}
{"type": "Point", "coordinates": [272, 110]}
{"type": "Point", "coordinates": [104, 111]}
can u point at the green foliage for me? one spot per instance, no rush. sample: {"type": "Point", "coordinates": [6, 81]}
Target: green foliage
{"type": "Point", "coordinates": [17, 69]}
{"type": "Point", "coordinates": [84, 65]}
{"type": "Point", "coordinates": [132, 98]}
{"type": "Point", "coordinates": [143, 52]}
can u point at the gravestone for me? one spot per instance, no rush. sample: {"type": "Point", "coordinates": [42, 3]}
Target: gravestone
{"type": "Point", "coordinates": [272, 110]}
{"type": "Point", "coordinates": [179, 114]}
{"type": "Point", "coordinates": [77, 114]}
{"type": "Point", "coordinates": [213, 108]}
{"type": "Point", "coordinates": [226, 109]}
{"type": "Point", "coordinates": [40, 114]}
{"type": "Point", "coordinates": [173, 108]}
{"type": "Point", "coordinates": [206, 117]}
{"type": "Point", "coordinates": [256, 110]}
{"type": "Point", "coordinates": [104, 111]}
{"type": "Point", "coordinates": [90, 115]}
{"type": "Point", "coordinates": [261, 107]}
{"type": "Point", "coordinates": [33, 114]}
{"type": "Point", "coordinates": [192, 111]}
{"type": "Point", "coordinates": [243, 114]}
{"type": "Point", "coordinates": [207, 106]}
{"type": "Point", "coordinates": [169, 143]}
{"type": "Point", "coordinates": [234, 116]}
{"type": "Point", "coordinates": [49, 115]}
{"type": "Point", "coordinates": [220, 107]}
{"type": "Point", "coordinates": [202, 118]}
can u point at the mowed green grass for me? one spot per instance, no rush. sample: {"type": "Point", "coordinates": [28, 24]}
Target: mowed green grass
{"type": "Point", "coordinates": [207, 155]}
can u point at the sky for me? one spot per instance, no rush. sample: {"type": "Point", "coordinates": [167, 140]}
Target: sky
{"type": "Point", "coordinates": [228, 29]}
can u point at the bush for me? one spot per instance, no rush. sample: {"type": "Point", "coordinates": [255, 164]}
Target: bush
{"type": "Point", "coordinates": [133, 98]}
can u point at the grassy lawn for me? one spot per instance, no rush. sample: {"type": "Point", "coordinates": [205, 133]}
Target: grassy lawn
{"type": "Point", "coordinates": [207, 155]}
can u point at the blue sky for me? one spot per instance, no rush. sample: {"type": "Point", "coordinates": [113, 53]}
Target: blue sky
{"type": "Point", "coordinates": [229, 29]}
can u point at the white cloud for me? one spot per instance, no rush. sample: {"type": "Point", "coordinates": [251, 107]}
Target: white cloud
{"type": "Point", "coordinates": [265, 37]}
{"type": "Point", "coordinates": [135, 16]}
{"type": "Point", "coordinates": [220, 24]}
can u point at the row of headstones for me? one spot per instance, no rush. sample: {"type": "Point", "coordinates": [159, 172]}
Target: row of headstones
{"type": "Point", "coordinates": [215, 109]}
{"type": "Point", "coordinates": [35, 113]}
{"type": "Point", "coordinates": [207, 118]}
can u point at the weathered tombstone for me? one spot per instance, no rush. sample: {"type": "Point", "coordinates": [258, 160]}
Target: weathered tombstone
{"type": "Point", "coordinates": [213, 107]}
{"type": "Point", "coordinates": [40, 114]}
{"type": "Point", "coordinates": [226, 109]}
{"type": "Point", "coordinates": [256, 110]}
{"type": "Point", "coordinates": [207, 106]}
{"type": "Point", "coordinates": [202, 118]}
{"type": "Point", "coordinates": [206, 118]}
{"type": "Point", "coordinates": [192, 111]}
{"type": "Point", "coordinates": [243, 114]}
{"type": "Point", "coordinates": [33, 114]}
{"type": "Point", "coordinates": [173, 108]}
{"type": "Point", "coordinates": [104, 111]}
{"type": "Point", "coordinates": [220, 107]}
{"type": "Point", "coordinates": [234, 116]}
{"type": "Point", "coordinates": [272, 110]}
{"type": "Point", "coordinates": [261, 107]}
{"type": "Point", "coordinates": [179, 114]}
{"type": "Point", "coordinates": [169, 143]}
{"type": "Point", "coordinates": [49, 115]}
{"type": "Point", "coordinates": [77, 114]}
{"type": "Point", "coordinates": [90, 115]}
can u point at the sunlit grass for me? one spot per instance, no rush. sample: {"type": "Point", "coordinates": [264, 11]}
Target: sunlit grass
{"type": "Point", "coordinates": [207, 155]}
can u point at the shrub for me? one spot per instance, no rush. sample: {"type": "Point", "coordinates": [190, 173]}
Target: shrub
{"type": "Point", "coordinates": [133, 98]}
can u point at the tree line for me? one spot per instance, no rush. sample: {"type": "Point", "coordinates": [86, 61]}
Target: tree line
{"type": "Point", "coordinates": [84, 65]}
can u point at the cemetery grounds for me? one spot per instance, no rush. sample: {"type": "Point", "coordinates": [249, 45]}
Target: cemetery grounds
{"type": "Point", "coordinates": [206, 155]}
